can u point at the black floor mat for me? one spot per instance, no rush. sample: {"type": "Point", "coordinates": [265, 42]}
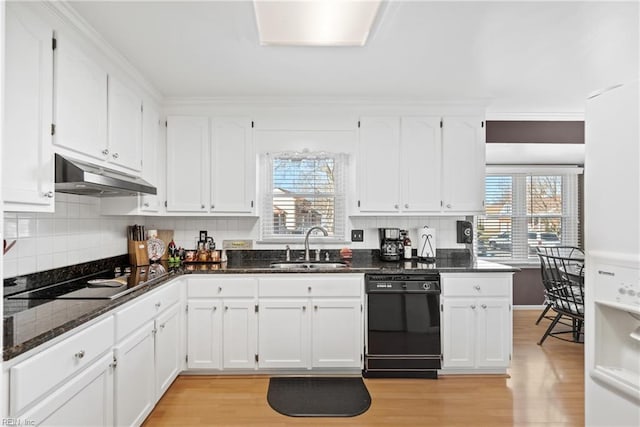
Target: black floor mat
{"type": "Point", "coordinates": [318, 396]}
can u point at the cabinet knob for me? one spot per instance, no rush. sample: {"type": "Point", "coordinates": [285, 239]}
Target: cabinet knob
{"type": "Point", "coordinates": [201, 206]}
{"type": "Point", "coordinates": [146, 205]}
{"type": "Point", "coordinates": [79, 355]}
{"type": "Point", "coordinates": [115, 155]}
{"type": "Point", "coordinates": [304, 308]}
{"type": "Point", "coordinates": [158, 304]}
{"type": "Point", "coordinates": [162, 326]}
{"type": "Point", "coordinates": [226, 308]}
{"type": "Point", "coordinates": [448, 205]}
{"type": "Point", "coordinates": [476, 287]}
{"type": "Point", "coordinates": [105, 152]}
{"type": "Point", "coordinates": [315, 307]}
{"type": "Point", "coordinates": [473, 306]}
{"type": "Point", "coordinates": [215, 308]}
{"type": "Point", "coordinates": [484, 306]}
{"type": "Point", "coordinates": [48, 195]}
{"type": "Point", "coordinates": [219, 289]}
{"type": "Point", "coordinates": [213, 206]}
{"type": "Point", "coordinates": [309, 289]}
{"type": "Point", "coordinates": [406, 205]}
{"type": "Point", "coordinates": [396, 206]}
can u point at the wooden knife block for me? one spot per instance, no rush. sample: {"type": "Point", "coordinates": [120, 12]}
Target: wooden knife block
{"type": "Point", "coordinates": [138, 253]}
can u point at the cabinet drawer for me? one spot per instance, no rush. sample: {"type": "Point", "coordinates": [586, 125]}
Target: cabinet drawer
{"type": "Point", "coordinates": [209, 287]}
{"type": "Point", "coordinates": [137, 313]}
{"type": "Point", "coordinates": [39, 374]}
{"type": "Point", "coordinates": [476, 285]}
{"type": "Point", "coordinates": [311, 285]}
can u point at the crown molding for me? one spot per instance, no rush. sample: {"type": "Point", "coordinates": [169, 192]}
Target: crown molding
{"type": "Point", "coordinates": [63, 10]}
{"type": "Point", "coordinates": [536, 116]}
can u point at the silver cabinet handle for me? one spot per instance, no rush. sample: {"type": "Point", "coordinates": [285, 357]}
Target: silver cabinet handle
{"type": "Point", "coordinates": [396, 206]}
{"type": "Point", "coordinates": [304, 308]}
{"type": "Point", "coordinates": [226, 308]}
{"type": "Point", "coordinates": [48, 195]}
{"type": "Point", "coordinates": [473, 306]}
{"type": "Point", "coordinates": [219, 289]}
{"type": "Point", "coordinates": [215, 308]}
{"type": "Point", "coordinates": [315, 307]}
{"type": "Point", "coordinates": [484, 306]}
{"type": "Point", "coordinates": [115, 155]}
{"type": "Point", "coordinates": [162, 326]}
{"type": "Point", "coordinates": [309, 289]}
{"type": "Point", "coordinates": [201, 206]}
{"type": "Point", "coordinates": [158, 304]}
{"type": "Point", "coordinates": [476, 287]}
{"type": "Point", "coordinates": [146, 205]}
{"type": "Point", "coordinates": [448, 205]}
{"type": "Point", "coordinates": [213, 206]}
{"type": "Point", "coordinates": [406, 205]}
{"type": "Point", "coordinates": [105, 151]}
{"type": "Point", "coordinates": [79, 355]}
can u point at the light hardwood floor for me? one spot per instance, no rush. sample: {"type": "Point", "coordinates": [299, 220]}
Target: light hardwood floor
{"type": "Point", "coordinates": [545, 387]}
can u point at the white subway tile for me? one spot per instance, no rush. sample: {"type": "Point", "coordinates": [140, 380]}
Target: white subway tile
{"type": "Point", "coordinates": [10, 267]}
{"type": "Point", "coordinates": [27, 265]}
{"type": "Point", "coordinates": [44, 262]}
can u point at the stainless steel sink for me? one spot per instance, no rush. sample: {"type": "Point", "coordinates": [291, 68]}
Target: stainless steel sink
{"type": "Point", "coordinates": [318, 265]}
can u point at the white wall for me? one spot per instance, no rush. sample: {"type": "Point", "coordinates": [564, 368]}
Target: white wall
{"type": "Point", "coordinates": [75, 233]}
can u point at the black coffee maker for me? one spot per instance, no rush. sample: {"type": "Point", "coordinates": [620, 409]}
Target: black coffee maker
{"type": "Point", "coordinates": [390, 244]}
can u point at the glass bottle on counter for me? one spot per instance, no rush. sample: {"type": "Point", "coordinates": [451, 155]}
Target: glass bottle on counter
{"type": "Point", "coordinates": [407, 247]}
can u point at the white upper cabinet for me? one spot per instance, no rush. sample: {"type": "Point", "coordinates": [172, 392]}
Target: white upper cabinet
{"type": "Point", "coordinates": [378, 162]}
{"type": "Point", "coordinates": [125, 126]}
{"type": "Point", "coordinates": [463, 164]}
{"type": "Point", "coordinates": [233, 165]}
{"type": "Point", "coordinates": [420, 167]}
{"type": "Point", "coordinates": [80, 105]}
{"type": "Point", "coordinates": [27, 158]}
{"type": "Point", "coordinates": [152, 157]}
{"type": "Point", "coordinates": [187, 167]}
{"type": "Point", "coordinates": [210, 175]}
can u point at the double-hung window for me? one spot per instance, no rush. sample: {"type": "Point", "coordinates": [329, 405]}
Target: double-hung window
{"type": "Point", "coordinates": [303, 190]}
{"type": "Point", "coordinates": [526, 208]}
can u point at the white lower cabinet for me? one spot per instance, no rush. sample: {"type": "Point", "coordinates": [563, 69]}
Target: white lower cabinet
{"type": "Point", "coordinates": [221, 323]}
{"type": "Point", "coordinates": [135, 377]}
{"type": "Point", "coordinates": [476, 321]}
{"type": "Point", "coordinates": [168, 350]}
{"type": "Point", "coordinates": [313, 321]}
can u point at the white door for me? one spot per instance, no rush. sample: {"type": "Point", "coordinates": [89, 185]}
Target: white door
{"type": "Point", "coordinates": [283, 334]}
{"type": "Point", "coordinates": [27, 157]}
{"type": "Point", "coordinates": [463, 164]}
{"type": "Point", "coordinates": [240, 338]}
{"type": "Point", "coordinates": [233, 166]}
{"type": "Point", "coordinates": [458, 332]}
{"type": "Point", "coordinates": [420, 164]}
{"type": "Point", "coordinates": [125, 126]}
{"type": "Point", "coordinates": [80, 101]}
{"type": "Point", "coordinates": [204, 334]}
{"type": "Point", "coordinates": [336, 333]}
{"type": "Point", "coordinates": [378, 164]}
{"type": "Point", "coordinates": [85, 400]}
{"type": "Point", "coordinates": [135, 377]}
{"type": "Point", "coordinates": [151, 158]}
{"type": "Point", "coordinates": [187, 164]}
{"type": "Point", "coordinates": [168, 357]}
{"type": "Point", "coordinates": [493, 332]}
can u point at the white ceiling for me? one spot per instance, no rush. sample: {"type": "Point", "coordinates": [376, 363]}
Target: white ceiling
{"type": "Point", "coordinates": [520, 56]}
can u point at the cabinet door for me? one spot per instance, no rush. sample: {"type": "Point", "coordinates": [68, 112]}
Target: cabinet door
{"type": "Point", "coordinates": [283, 334]}
{"type": "Point", "coordinates": [233, 166]}
{"type": "Point", "coordinates": [151, 157]}
{"type": "Point", "coordinates": [125, 126]}
{"type": "Point", "coordinates": [27, 158]}
{"type": "Point", "coordinates": [135, 377]}
{"type": "Point", "coordinates": [420, 164]}
{"type": "Point", "coordinates": [336, 333]}
{"type": "Point", "coordinates": [378, 164]}
{"type": "Point", "coordinates": [204, 334]}
{"type": "Point", "coordinates": [463, 164]}
{"type": "Point", "coordinates": [85, 400]}
{"type": "Point", "coordinates": [458, 332]}
{"type": "Point", "coordinates": [239, 334]}
{"type": "Point", "coordinates": [167, 349]}
{"type": "Point", "coordinates": [80, 101]}
{"type": "Point", "coordinates": [493, 332]}
{"type": "Point", "coordinates": [187, 167]}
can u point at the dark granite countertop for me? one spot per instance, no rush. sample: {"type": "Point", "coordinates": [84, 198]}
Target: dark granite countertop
{"type": "Point", "coordinates": [28, 326]}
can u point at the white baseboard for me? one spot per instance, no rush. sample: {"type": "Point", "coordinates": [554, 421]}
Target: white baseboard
{"type": "Point", "coordinates": [528, 307]}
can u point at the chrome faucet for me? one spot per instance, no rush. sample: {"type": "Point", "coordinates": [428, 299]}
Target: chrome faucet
{"type": "Point", "coordinates": [306, 240]}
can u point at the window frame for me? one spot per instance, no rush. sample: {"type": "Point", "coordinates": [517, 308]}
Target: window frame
{"type": "Point", "coordinates": [520, 217]}
{"type": "Point", "coordinates": [267, 234]}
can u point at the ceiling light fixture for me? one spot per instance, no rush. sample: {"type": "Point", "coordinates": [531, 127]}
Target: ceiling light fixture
{"type": "Point", "coordinates": [315, 22]}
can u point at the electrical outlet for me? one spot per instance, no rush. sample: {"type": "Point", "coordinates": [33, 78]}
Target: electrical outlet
{"type": "Point", "coordinates": [357, 235]}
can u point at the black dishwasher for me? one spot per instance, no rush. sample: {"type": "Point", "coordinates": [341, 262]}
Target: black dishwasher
{"type": "Point", "coordinates": [403, 325]}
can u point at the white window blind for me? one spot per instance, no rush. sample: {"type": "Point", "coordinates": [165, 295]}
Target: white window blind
{"type": "Point", "coordinates": [525, 209]}
{"type": "Point", "coordinates": [302, 190]}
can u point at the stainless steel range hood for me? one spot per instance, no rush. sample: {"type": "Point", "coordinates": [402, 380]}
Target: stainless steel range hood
{"type": "Point", "coordinates": [77, 177]}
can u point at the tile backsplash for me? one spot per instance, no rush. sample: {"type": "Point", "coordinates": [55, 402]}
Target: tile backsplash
{"type": "Point", "coordinates": [75, 233]}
